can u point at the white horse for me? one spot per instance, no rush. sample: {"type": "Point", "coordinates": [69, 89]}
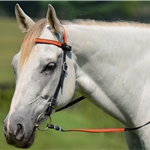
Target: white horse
{"type": "Point", "coordinates": [109, 64]}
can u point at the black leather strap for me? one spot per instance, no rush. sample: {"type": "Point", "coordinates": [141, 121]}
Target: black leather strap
{"type": "Point", "coordinates": [71, 103]}
{"type": "Point", "coordinates": [52, 101]}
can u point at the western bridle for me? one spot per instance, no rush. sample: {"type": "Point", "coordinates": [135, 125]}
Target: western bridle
{"type": "Point", "coordinates": [65, 48]}
{"type": "Point", "coordinates": [52, 101]}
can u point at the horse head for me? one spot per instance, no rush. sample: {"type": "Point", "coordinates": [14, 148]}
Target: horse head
{"type": "Point", "coordinates": [38, 67]}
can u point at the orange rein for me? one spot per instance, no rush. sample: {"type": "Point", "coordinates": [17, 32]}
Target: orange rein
{"type": "Point", "coordinates": [99, 130]}
{"type": "Point", "coordinates": [107, 130]}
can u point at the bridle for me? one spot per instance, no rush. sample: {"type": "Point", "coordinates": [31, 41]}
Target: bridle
{"type": "Point", "coordinates": [52, 101]}
{"type": "Point", "coordinates": [65, 48]}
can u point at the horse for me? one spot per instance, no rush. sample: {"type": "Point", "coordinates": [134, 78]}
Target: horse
{"type": "Point", "coordinates": [108, 63]}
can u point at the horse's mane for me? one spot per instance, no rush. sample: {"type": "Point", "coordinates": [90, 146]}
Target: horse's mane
{"type": "Point", "coordinates": [36, 30]}
{"type": "Point", "coordinates": [28, 41]}
{"type": "Point", "coordinates": [89, 22]}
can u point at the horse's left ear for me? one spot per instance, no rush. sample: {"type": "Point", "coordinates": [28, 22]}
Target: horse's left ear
{"type": "Point", "coordinates": [52, 19]}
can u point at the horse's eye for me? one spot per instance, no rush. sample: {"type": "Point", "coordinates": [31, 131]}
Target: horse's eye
{"type": "Point", "coordinates": [49, 67]}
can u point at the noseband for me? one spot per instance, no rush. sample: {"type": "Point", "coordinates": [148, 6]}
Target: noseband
{"type": "Point", "coordinates": [65, 48]}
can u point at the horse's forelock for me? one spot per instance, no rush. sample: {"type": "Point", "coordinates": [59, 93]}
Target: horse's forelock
{"type": "Point", "coordinates": [28, 41]}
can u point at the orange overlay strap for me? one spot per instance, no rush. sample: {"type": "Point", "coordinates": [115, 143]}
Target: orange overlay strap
{"type": "Point", "coordinates": [46, 41]}
{"type": "Point", "coordinates": [99, 130]}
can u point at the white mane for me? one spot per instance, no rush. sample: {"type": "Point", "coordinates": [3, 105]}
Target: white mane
{"type": "Point", "coordinates": [89, 22]}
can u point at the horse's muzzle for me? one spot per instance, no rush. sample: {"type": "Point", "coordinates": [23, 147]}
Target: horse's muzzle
{"type": "Point", "coordinates": [17, 133]}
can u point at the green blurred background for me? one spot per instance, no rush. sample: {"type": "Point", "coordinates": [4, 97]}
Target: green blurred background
{"type": "Point", "coordinates": [84, 114]}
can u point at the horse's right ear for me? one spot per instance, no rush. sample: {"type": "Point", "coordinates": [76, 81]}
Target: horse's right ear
{"type": "Point", "coordinates": [24, 21]}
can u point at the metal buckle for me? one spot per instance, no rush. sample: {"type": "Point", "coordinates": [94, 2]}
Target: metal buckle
{"type": "Point", "coordinates": [42, 115]}
{"type": "Point", "coordinates": [66, 47]}
{"type": "Point", "coordinates": [52, 102]}
{"type": "Point", "coordinates": [65, 67]}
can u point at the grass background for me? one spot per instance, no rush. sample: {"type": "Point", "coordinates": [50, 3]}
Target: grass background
{"type": "Point", "coordinates": [83, 115]}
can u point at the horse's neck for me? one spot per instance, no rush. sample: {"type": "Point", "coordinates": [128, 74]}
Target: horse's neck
{"type": "Point", "coordinates": [107, 58]}
{"type": "Point", "coordinates": [106, 40]}
{"type": "Point", "coordinates": [104, 48]}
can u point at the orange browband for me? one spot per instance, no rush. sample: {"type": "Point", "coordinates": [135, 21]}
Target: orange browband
{"type": "Point", "coordinates": [46, 41]}
{"type": "Point", "coordinates": [63, 45]}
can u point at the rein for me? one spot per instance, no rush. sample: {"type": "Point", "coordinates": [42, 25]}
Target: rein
{"type": "Point", "coordinates": [52, 101]}
{"type": "Point", "coordinates": [106, 130]}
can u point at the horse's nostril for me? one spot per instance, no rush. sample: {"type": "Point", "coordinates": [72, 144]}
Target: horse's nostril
{"type": "Point", "coordinates": [5, 128]}
{"type": "Point", "coordinates": [19, 128]}
{"type": "Point", "coordinates": [19, 132]}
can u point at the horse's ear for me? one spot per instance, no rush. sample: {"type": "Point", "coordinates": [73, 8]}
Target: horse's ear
{"type": "Point", "coordinates": [52, 19]}
{"type": "Point", "coordinates": [24, 21]}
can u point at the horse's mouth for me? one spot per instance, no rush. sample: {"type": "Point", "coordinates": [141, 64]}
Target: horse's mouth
{"type": "Point", "coordinates": [11, 139]}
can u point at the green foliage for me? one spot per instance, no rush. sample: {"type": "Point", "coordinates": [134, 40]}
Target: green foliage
{"type": "Point", "coordinates": [10, 41]}
{"type": "Point", "coordinates": [68, 10]}
{"type": "Point", "coordinates": [101, 10]}
{"type": "Point", "coordinates": [5, 97]}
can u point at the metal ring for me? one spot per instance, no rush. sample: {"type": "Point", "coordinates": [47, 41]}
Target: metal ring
{"type": "Point", "coordinates": [38, 119]}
